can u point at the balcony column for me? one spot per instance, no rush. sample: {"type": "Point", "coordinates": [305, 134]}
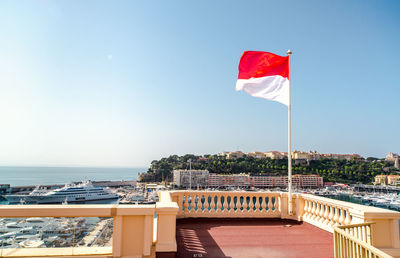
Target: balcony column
{"type": "Point", "coordinates": [166, 225]}
{"type": "Point", "coordinates": [132, 233]}
{"type": "Point", "coordinates": [385, 235]}
{"type": "Point", "coordinates": [301, 207]}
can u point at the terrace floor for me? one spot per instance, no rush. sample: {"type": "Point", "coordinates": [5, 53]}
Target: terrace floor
{"type": "Point", "coordinates": [251, 238]}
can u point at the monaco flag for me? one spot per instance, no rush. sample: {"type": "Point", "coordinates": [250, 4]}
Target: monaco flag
{"type": "Point", "coordinates": [264, 75]}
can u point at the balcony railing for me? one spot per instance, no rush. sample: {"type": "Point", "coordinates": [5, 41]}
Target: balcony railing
{"type": "Point", "coordinates": [321, 212]}
{"type": "Point", "coordinates": [355, 241]}
{"type": "Point", "coordinates": [137, 231]}
{"type": "Point", "coordinates": [144, 230]}
{"type": "Point", "coordinates": [227, 204]}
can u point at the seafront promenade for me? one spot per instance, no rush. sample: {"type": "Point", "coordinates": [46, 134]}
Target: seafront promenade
{"type": "Point", "coordinates": [195, 222]}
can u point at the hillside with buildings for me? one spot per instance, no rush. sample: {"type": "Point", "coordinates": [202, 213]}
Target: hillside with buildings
{"type": "Point", "coordinates": [343, 168]}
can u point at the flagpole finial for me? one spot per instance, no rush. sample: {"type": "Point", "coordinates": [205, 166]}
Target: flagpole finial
{"type": "Point", "coordinates": [289, 52]}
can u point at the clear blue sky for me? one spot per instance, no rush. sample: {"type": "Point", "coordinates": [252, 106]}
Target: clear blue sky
{"type": "Point", "coordinates": [120, 83]}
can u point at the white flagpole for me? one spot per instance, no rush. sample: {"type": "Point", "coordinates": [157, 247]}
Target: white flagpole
{"type": "Point", "coordinates": [289, 145]}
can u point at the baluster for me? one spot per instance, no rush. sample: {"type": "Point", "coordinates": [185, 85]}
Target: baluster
{"type": "Point", "coordinates": [363, 234]}
{"type": "Point", "coordinates": [330, 216]}
{"type": "Point", "coordinates": [234, 203]}
{"type": "Point", "coordinates": [316, 211]}
{"type": "Point", "coordinates": [251, 203]}
{"type": "Point", "coordinates": [257, 204]}
{"type": "Point", "coordinates": [347, 221]}
{"type": "Point", "coordinates": [219, 203]}
{"type": "Point", "coordinates": [368, 234]}
{"type": "Point", "coordinates": [242, 200]}
{"type": "Point", "coordinates": [310, 209]}
{"type": "Point", "coordinates": [245, 203]}
{"type": "Point", "coordinates": [212, 204]}
{"type": "Point", "coordinates": [226, 203]}
{"type": "Point", "coordinates": [341, 218]}
{"type": "Point", "coordinates": [192, 203]}
{"type": "Point", "coordinates": [336, 217]}
{"type": "Point", "coordinates": [197, 203]}
{"type": "Point", "coordinates": [264, 204]}
{"type": "Point", "coordinates": [180, 203]}
{"type": "Point", "coordinates": [321, 213]}
{"type": "Point", "coordinates": [326, 215]}
{"type": "Point", "coordinates": [305, 209]}
{"type": "Point", "coordinates": [206, 203]}
{"type": "Point", "coordinates": [185, 204]}
{"type": "Point", "coordinates": [312, 215]}
{"type": "Point", "coordinates": [270, 205]}
{"type": "Point", "coordinates": [231, 206]}
{"type": "Point", "coordinates": [200, 204]}
{"type": "Point", "coordinates": [276, 203]}
{"type": "Point", "coordinates": [239, 204]}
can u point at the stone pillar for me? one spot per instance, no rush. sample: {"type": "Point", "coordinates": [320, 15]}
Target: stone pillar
{"type": "Point", "coordinates": [166, 226]}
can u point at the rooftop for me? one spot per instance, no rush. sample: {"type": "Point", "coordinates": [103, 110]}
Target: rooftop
{"type": "Point", "coordinates": [251, 238]}
{"type": "Point", "coordinates": [228, 224]}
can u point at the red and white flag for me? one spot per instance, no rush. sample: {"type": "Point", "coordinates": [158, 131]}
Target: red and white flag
{"type": "Point", "coordinates": [264, 75]}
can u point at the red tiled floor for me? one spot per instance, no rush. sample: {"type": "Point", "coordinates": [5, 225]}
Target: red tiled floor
{"type": "Point", "coordinates": [251, 238]}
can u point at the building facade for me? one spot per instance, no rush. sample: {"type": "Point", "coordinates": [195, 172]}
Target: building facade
{"type": "Point", "coordinates": [380, 180]}
{"type": "Point", "coordinates": [224, 181]}
{"type": "Point", "coordinates": [256, 154]}
{"type": "Point", "coordinates": [274, 155]}
{"type": "Point", "coordinates": [391, 156]}
{"type": "Point", "coordinates": [300, 155]}
{"type": "Point", "coordinates": [195, 178]}
{"type": "Point", "coordinates": [235, 155]}
{"type": "Point", "coordinates": [261, 181]}
{"type": "Point", "coordinates": [393, 179]}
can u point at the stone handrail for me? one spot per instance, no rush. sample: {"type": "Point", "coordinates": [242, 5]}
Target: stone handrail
{"type": "Point", "coordinates": [348, 243]}
{"type": "Point", "coordinates": [136, 233]}
{"type": "Point", "coordinates": [217, 204]}
{"type": "Point", "coordinates": [326, 213]}
{"type": "Point", "coordinates": [133, 230]}
{"type": "Point", "coordinates": [361, 231]}
{"type": "Point", "coordinates": [321, 212]}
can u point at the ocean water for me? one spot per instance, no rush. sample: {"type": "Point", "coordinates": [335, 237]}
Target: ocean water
{"type": "Point", "coordinates": [20, 176]}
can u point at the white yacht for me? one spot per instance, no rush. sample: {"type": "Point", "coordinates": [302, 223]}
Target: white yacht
{"type": "Point", "coordinates": [69, 193]}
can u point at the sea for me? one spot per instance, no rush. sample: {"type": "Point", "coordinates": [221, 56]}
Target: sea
{"type": "Point", "coordinates": [32, 176]}
{"type": "Point", "coordinates": [22, 176]}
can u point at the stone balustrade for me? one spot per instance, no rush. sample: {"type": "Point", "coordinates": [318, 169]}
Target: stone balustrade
{"type": "Point", "coordinates": [354, 241]}
{"type": "Point", "coordinates": [135, 231]}
{"type": "Point", "coordinates": [138, 234]}
{"type": "Point", "coordinates": [324, 212]}
{"type": "Point", "coordinates": [217, 204]}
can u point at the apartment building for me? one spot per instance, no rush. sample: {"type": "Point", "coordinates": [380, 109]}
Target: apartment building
{"type": "Point", "coordinates": [235, 155]}
{"type": "Point", "coordinates": [392, 156]}
{"type": "Point", "coordinates": [261, 181]}
{"type": "Point", "coordinates": [341, 156]}
{"type": "Point", "coordinates": [238, 180]}
{"type": "Point", "coordinates": [381, 180]}
{"type": "Point", "coordinates": [256, 154]}
{"type": "Point", "coordinates": [387, 179]}
{"type": "Point", "coordinates": [274, 155]}
{"type": "Point", "coordinates": [300, 155]}
{"type": "Point", "coordinates": [186, 177]}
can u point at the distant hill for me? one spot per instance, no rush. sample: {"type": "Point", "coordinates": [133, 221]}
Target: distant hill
{"type": "Point", "coordinates": [334, 170]}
